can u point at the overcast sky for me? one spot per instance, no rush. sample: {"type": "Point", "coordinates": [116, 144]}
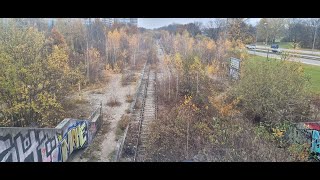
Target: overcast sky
{"type": "Point", "coordinates": [151, 23]}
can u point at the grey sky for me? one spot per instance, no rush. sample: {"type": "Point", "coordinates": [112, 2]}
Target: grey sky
{"type": "Point", "coordinates": [151, 23]}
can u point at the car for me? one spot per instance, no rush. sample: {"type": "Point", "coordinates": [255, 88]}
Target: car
{"type": "Point", "coordinates": [275, 48]}
{"type": "Point", "coordinates": [251, 46]}
{"type": "Point", "coordinates": [277, 51]}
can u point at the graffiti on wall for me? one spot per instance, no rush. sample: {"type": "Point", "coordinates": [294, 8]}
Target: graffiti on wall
{"type": "Point", "coordinates": [308, 132]}
{"type": "Point", "coordinates": [76, 137]}
{"type": "Point", "coordinates": [50, 144]}
{"type": "Point", "coordinates": [36, 145]}
{"type": "Point", "coordinates": [30, 146]}
{"type": "Point", "coordinates": [315, 139]}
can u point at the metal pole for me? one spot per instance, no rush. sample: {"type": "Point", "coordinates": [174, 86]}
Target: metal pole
{"type": "Point", "coordinates": [314, 38]}
{"type": "Point", "coordinates": [267, 41]}
{"type": "Point", "coordinates": [255, 49]}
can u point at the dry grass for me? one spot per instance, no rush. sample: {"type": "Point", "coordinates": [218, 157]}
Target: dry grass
{"type": "Point", "coordinates": [122, 125]}
{"type": "Point", "coordinates": [76, 108]}
{"type": "Point", "coordinates": [113, 101]}
{"type": "Point", "coordinates": [128, 78]}
{"type": "Point", "coordinates": [129, 98]}
{"type": "Point", "coordinates": [98, 91]}
{"type": "Point", "coordinates": [128, 111]}
{"type": "Point", "coordinates": [138, 104]}
{"type": "Point", "coordinates": [91, 152]}
{"type": "Point", "coordinates": [79, 101]}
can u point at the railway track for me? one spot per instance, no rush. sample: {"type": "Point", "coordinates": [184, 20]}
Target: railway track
{"type": "Point", "coordinates": [135, 140]}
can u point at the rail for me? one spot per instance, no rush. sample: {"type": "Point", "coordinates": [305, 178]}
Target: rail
{"type": "Point", "coordinates": [142, 117]}
{"type": "Point", "coordinates": [131, 107]}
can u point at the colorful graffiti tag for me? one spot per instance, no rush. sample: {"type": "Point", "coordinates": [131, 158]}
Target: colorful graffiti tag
{"type": "Point", "coordinates": [48, 144]}
{"type": "Point", "coordinates": [315, 145]}
{"type": "Point", "coordinates": [37, 145]}
{"type": "Point", "coordinates": [76, 137]}
{"type": "Point", "coordinates": [307, 132]}
{"type": "Point", "coordinates": [30, 146]}
{"type": "Point", "coordinates": [314, 128]}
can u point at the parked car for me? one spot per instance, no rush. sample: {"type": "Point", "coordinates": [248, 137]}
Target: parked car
{"type": "Point", "coordinates": [251, 46]}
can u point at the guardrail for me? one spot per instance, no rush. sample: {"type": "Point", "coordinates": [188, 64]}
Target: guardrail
{"type": "Point", "coordinates": [313, 57]}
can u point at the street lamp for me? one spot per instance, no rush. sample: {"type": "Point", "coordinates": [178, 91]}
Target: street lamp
{"type": "Point", "coordinates": [314, 37]}
{"type": "Point", "coordinates": [267, 39]}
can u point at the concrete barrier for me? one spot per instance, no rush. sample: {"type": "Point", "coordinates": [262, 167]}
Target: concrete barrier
{"type": "Point", "coordinates": [306, 132]}
{"type": "Point", "coordinates": [19, 144]}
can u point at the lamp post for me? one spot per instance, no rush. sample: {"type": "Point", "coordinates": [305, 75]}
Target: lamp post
{"type": "Point", "coordinates": [255, 49]}
{"type": "Point", "coordinates": [267, 40]}
{"type": "Point", "coordinates": [314, 37]}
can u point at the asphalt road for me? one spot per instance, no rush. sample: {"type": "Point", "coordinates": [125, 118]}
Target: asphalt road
{"type": "Point", "coordinates": [293, 51]}
{"type": "Point", "coordinates": [302, 60]}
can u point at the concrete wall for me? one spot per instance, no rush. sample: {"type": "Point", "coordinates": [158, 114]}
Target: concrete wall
{"type": "Point", "coordinates": [28, 145]}
{"type": "Point", "coordinates": [306, 132]}
{"type": "Point", "coordinates": [47, 144]}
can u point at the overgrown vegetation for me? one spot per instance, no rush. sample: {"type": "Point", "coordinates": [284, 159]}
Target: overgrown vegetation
{"type": "Point", "coordinates": [273, 91]}
{"type": "Point", "coordinates": [122, 125]}
{"type": "Point", "coordinates": [113, 101]}
{"type": "Point", "coordinates": [129, 98]}
{"type": "Point", "coordinates": [203, 116]}
{"type": "Point", "coordinates": [42, 64]}
{"type": "Point", "coordinates": [128, 78]}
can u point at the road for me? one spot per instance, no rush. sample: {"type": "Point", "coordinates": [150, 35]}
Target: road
{"type": "Point", "coordinates": [302, 60]}
{"type": "Point", "coordinates": [292, 51]}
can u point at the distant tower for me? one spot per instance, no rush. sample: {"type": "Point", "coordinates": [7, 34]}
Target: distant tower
{"type": "Point", "coordinates": [108, 21]}
{"type": "Point", "coordinates": [134, 21]}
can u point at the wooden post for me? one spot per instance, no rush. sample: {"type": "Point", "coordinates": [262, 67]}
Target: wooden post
{"type": "Point", "coordinates": [197, 83]}
{"type": "Point", "coordinates": [169, 85]}
{"type": "Point", "coordinates": [187, 149]}
{"type": "Point", "coordinates": [80, 90]}
{"type": "Point", "coordinates": [177, 87]}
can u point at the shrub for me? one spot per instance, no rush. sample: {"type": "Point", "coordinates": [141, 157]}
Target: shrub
{"type": "Point", "coordinates": [129, 98]}
{"type": "Point", "coordinates": [128, 78]}
{"type": "Point", "coordinates": [273, 91]}
{"type": "Point", "coordinates": [122, 125]}
{"type": "Point", "coordinates": [113, 101]}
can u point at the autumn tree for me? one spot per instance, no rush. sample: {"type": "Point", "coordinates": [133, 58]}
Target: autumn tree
{"type": "Point", "coordinates": [36, 75]}
{"type": "Point", "coordinates": [134, 45]}
{"type": "Point", "coordinates": [113, 46]}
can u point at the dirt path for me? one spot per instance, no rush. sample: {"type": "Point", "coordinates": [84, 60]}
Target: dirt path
{"type": "Point", "coordinates": [115, 113]}
{"type": "Point", "coordinates": [102, 148]}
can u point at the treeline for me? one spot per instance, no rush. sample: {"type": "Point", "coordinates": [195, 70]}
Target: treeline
{"type": "Point", "coordinates": [42, 62]}
{"type": "Point", "coordinates": [236, 28]}
{"type": "Point", "coordinates": [301, 31]}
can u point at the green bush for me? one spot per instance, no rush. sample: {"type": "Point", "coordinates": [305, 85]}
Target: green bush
{"type": "Point", "coordinates": [273, 91]}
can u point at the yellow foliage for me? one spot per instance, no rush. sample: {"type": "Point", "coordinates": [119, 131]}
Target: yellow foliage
{"type": "Point", "coordinates": [187, 104]}
{"type": "Point", "coordinates": [211, 69]}
{"type": "Point", "coordinates": [299, 151]}
{"type": "Point", "coordinates": [178, 61]}
{"type": "Point", "coordinates": [116, 68]}
{"type": "Point", "coordinates": [300, 69]}
{"type": "Point", "coordinates": [224, 109]}
{"type": "Point", "coordinates": [211, 45]}
{"type": "Point", "coordinates": [278, 132]}
{"type": "Point", "coordinates": [58, 60]}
